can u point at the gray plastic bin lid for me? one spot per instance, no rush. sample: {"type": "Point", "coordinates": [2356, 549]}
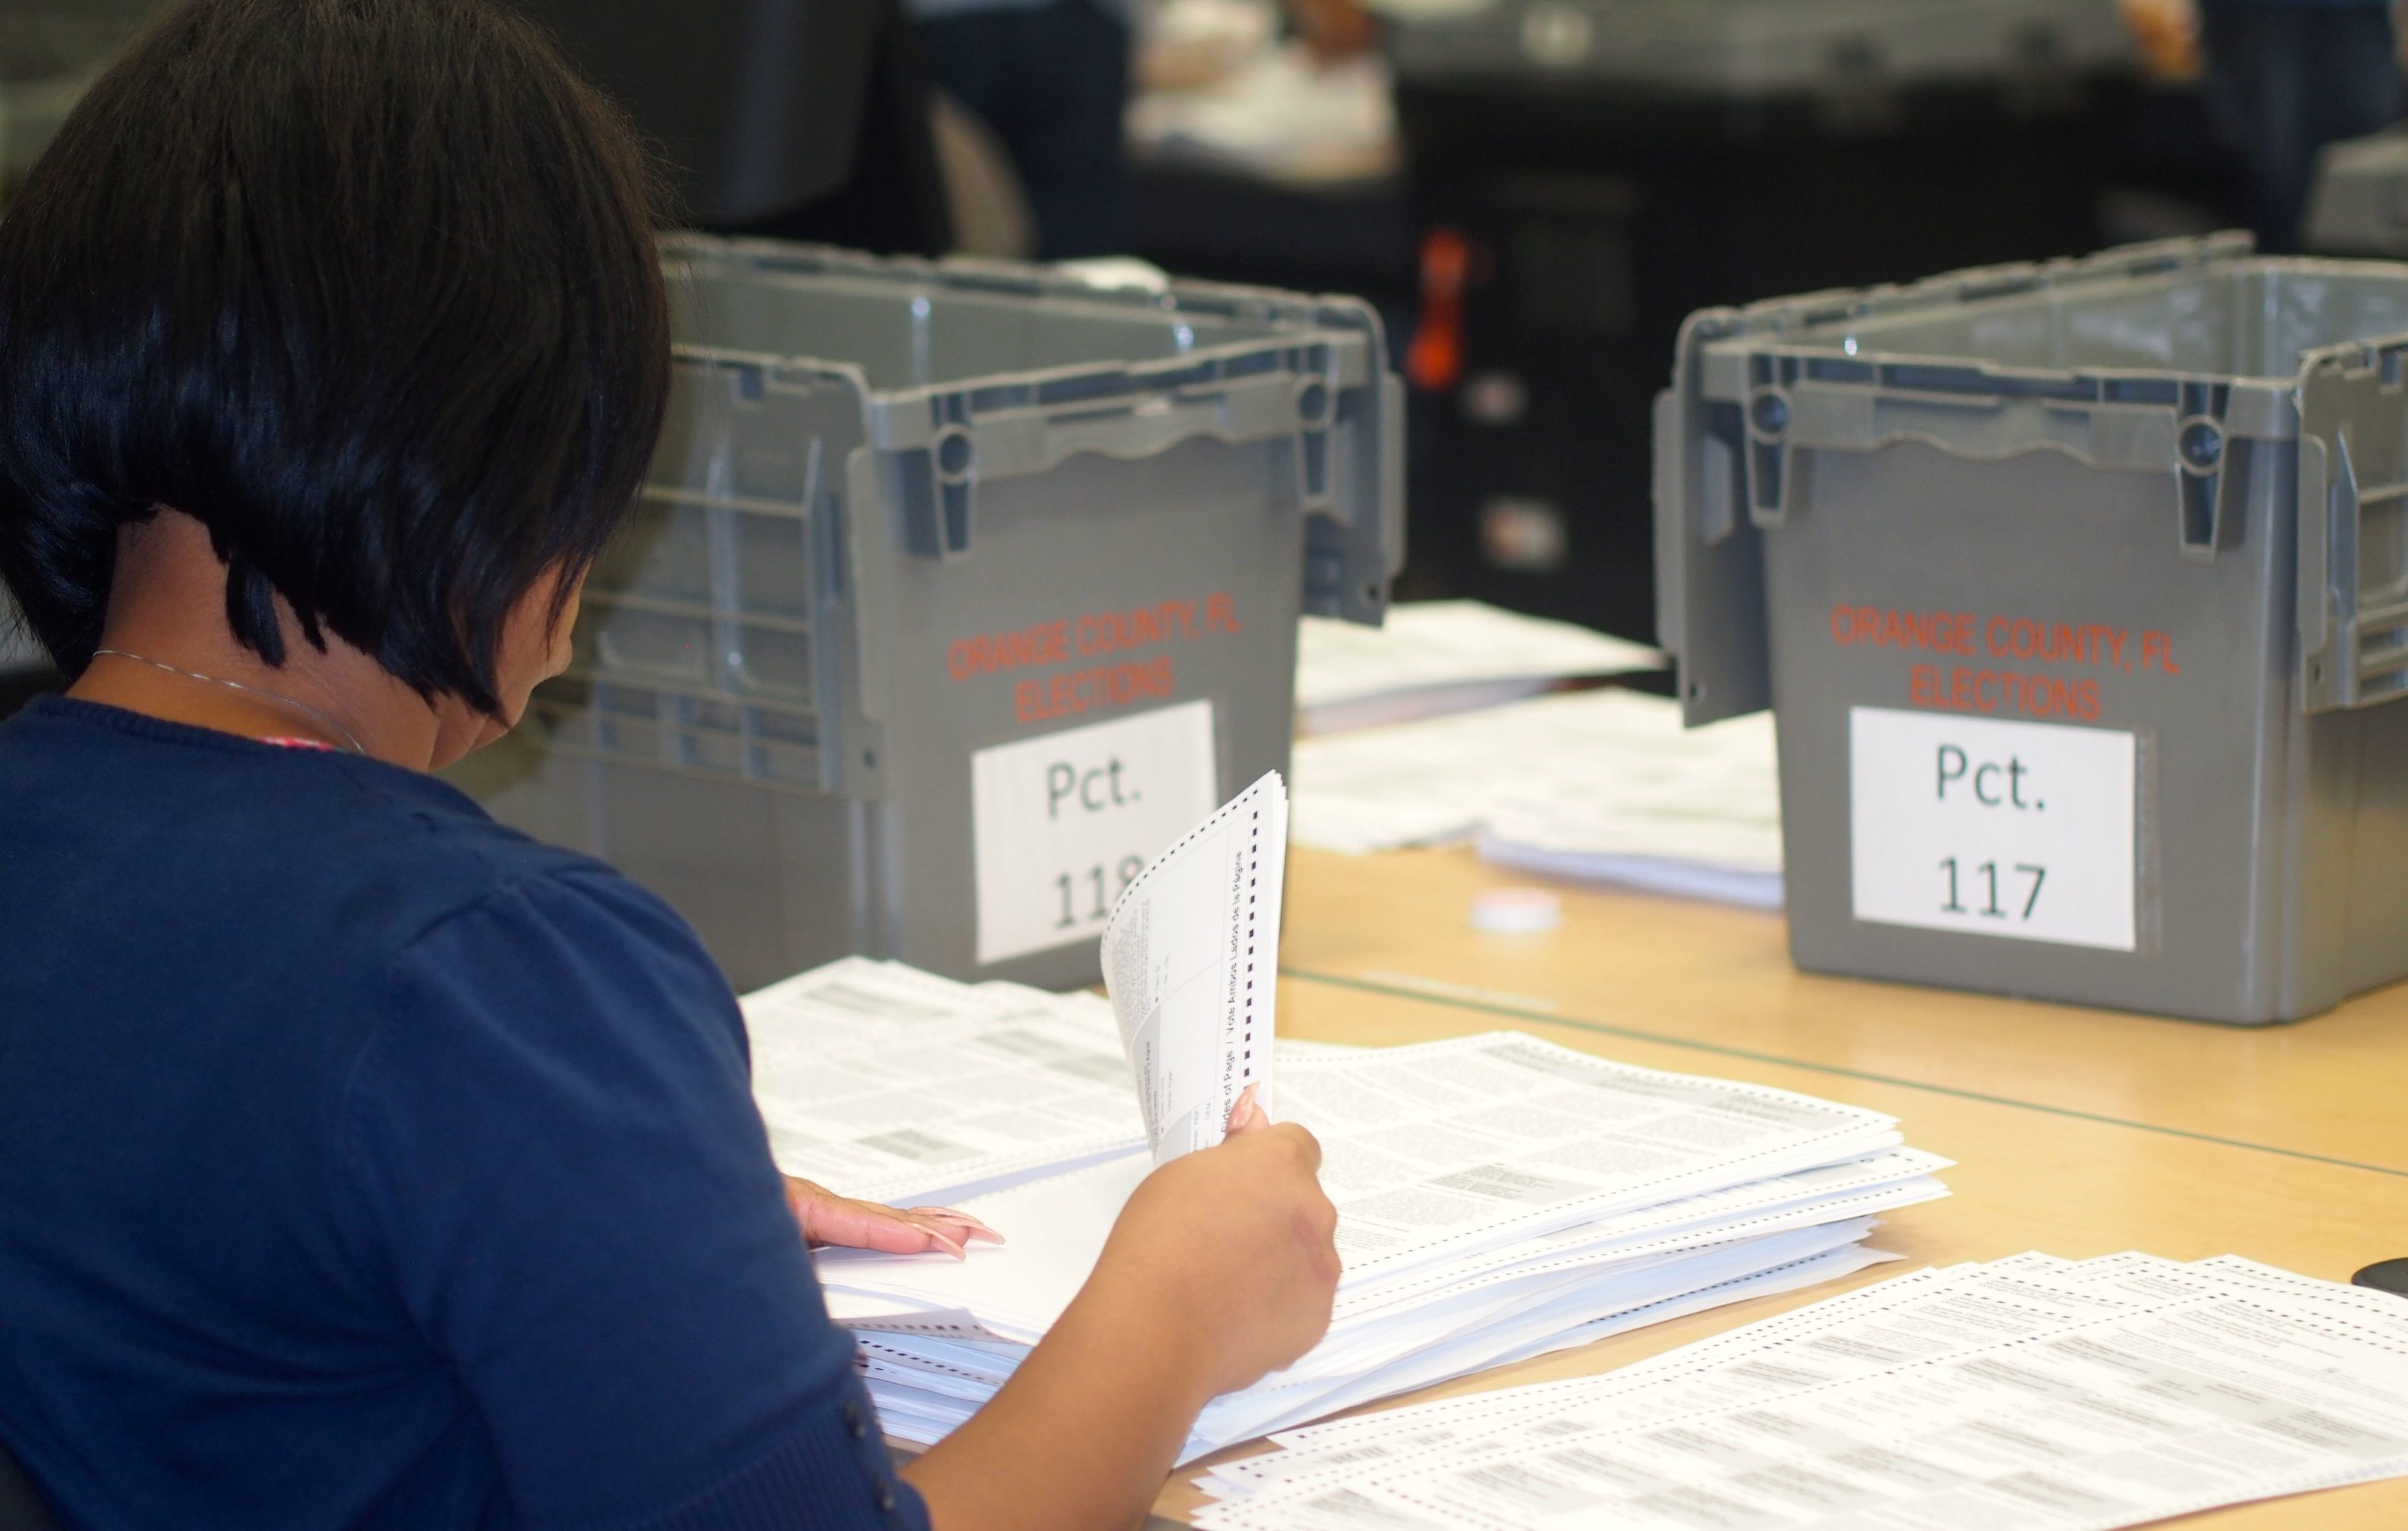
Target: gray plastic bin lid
{"type": "Point", "coordinates": [2140, 360]}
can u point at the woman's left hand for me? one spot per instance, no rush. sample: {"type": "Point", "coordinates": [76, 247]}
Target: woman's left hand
{"type": "Point", "coordinates": [827, 1218]}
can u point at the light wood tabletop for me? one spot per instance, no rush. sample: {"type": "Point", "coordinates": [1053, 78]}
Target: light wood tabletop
{"type": "Point", "coordinates": [2076, 1132]}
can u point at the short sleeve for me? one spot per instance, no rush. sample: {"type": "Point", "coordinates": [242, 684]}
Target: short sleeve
{"type": "Point", "coordinates": [559, 1164]}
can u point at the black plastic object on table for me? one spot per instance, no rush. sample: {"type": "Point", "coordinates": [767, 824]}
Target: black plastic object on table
{"type": "Point", "coordinates": [2385, 1276]}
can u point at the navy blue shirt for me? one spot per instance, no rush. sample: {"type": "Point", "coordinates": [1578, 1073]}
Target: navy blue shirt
{"type": "Point", "coordinates": [366, 1163]}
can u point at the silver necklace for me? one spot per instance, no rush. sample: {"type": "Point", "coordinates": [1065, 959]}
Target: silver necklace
{"type": "Point", "coordinates": [357, 748]}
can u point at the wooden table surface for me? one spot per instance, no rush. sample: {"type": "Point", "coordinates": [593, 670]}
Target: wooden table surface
{"type": "Point", "coordinates": [2076, 1132]}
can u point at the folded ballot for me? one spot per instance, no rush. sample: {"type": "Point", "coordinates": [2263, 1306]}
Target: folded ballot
{"type": "Point", "coordinates": [1190, 956]}
{"type": "Point", "coordinates": [1499, 1196]}
{"type": "Point", "coordinates": [2031, 1392]}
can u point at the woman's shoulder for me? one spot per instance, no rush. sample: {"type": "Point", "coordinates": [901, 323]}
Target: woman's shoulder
{"type": "Point", "coordinates": [326, 865]}
{"type": "Point", "coordinates": [459, 864]}
{"type": "Point", "coordinates": [500, 951]}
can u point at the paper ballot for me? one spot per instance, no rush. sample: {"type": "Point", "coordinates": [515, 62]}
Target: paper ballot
{"type": "Point", "coordinates": [877, 1080]}
{"type": "Point", "coordinates": [1436, 657]}
{"type": "Point", "coordinates": [1191, 959]}
{"type": "Point", "coordinates": [2031, 1392]}
{"type": "Point", "coordinates": [1604, 784]}
{"type": "Point", "coordinates": [1498, 1197]}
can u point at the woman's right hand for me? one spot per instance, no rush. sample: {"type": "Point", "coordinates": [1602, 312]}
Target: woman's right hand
{"type": "Point", "coordinates": [1222, 1268]}
{"type": "Point", "coordinates": [1229, 1253]}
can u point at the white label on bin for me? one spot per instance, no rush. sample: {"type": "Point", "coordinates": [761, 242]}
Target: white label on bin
{"type": "Point", "coordinates": [2015, 829]}
{"type": "Point", "coordinates": [1065, 821]}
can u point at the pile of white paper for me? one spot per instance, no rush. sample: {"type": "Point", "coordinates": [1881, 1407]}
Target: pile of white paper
{"type": "Point", "coordinates": [882, 1081]}
{"type": "Point", "coordinates": [1436, 657]}
{"type": "Point", "coordinates": [2031, 1392]}
{"type": "Point", "coordinates": [879, 1080]}
{"type": "Point", "coordinates": [1499, 1196]}
{"type": "Point", "coordinates": [1602, 784]}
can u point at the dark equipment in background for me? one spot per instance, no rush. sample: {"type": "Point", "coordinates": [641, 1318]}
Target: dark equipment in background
{"type": "Point", "coordinates": [2286, 79]}
{"type": "Point", "coordinates": [2385, 1276]}
{"type": "Point", "coordinates": [49, 51]}
{"type": "Point", "coordinates": [1572, 217]}
{"type": "Point", "coordinates": [1051, 82]}
{"type": "Point", "coordinates": [44, 39]}
{"type": "Point", "coordinates": [792, 118]}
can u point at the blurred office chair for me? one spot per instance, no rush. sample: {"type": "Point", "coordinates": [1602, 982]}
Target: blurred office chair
{"type": "Point", "coordinates": [796, 119]}
{"type": "Point", "coordinates": [20, 1508]}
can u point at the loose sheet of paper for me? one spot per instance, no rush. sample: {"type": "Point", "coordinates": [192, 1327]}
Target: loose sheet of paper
{"type": "Point", "coordinates": [1431, 657]}
{"type": "Point", "coordinates": [2032, 1392]}
{"type": "Point", "coordinates": [1451, 1146]}
{"type": "Point", "coordinates": [1604, 784]}
{"type": "Point", "coordinates": [881, 1081]}
{"type": "Point", "coordinates": [1191, 961]}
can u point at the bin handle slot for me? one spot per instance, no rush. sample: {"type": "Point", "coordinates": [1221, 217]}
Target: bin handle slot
{"type": "Point", "coordinates": [2353, 524]}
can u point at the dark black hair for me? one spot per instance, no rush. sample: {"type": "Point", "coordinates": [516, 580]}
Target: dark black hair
{"type": "Point", "coordinates": [367, 288]}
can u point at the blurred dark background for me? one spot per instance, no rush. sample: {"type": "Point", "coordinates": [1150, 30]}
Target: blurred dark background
{"type": "Point", "coordinates": [1534, 193]}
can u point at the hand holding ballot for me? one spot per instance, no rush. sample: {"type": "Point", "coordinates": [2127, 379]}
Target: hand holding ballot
{"type": "Point", "coordinates": [1191, 961]}
{"type": "Point", "coordinates": [1189, 1264]}
{"type": "Point", "coordinates": [1215, 1270]}
{"type": "Point", "coordinates": [1234, 1249]}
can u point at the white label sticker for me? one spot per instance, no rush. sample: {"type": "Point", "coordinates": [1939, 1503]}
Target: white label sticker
{"type": "Point", "coordinates": [2015, 829]}
{"type": "Point", "coordinates": [1066, 821]}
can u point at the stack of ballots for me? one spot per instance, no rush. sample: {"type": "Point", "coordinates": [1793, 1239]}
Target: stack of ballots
{"type": "Point", "coordinates": [1432, 658]}
{"type": "Point", "coordinates": [1603, 785]}
{"type": "Point", "coordinates": [2031, 1392]}
{"type": "Point", "coordinates": [1499, 1196]}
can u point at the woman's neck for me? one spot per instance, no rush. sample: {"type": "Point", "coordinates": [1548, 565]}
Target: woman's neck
{"type": "Point", "coordinates": [175, 658]}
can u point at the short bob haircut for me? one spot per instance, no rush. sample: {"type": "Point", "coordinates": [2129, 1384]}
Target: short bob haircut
{"type": "Point", "coordinates": [366, 287]}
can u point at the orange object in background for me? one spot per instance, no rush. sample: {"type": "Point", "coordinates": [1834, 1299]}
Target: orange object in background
{"type": "Point", "coordinates": [1434, 359]}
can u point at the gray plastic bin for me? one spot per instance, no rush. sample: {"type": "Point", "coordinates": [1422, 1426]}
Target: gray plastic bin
{"type": "Point", "coordinates": [2358, 205]}
{"type": "Point", "coordinates": [19, 652]}
{"type": "Point", "coordinates": [2154, 506]}
{"type": "Point", "coordinates": [1762, 48]}
{"type": "Point", "coordinates": [907, 515]}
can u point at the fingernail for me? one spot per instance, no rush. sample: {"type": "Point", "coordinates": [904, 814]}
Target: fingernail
{"type": "Point", "coordinates": [957, 1220]}
{"type": "Point", "coordinates": [952, 1215]}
